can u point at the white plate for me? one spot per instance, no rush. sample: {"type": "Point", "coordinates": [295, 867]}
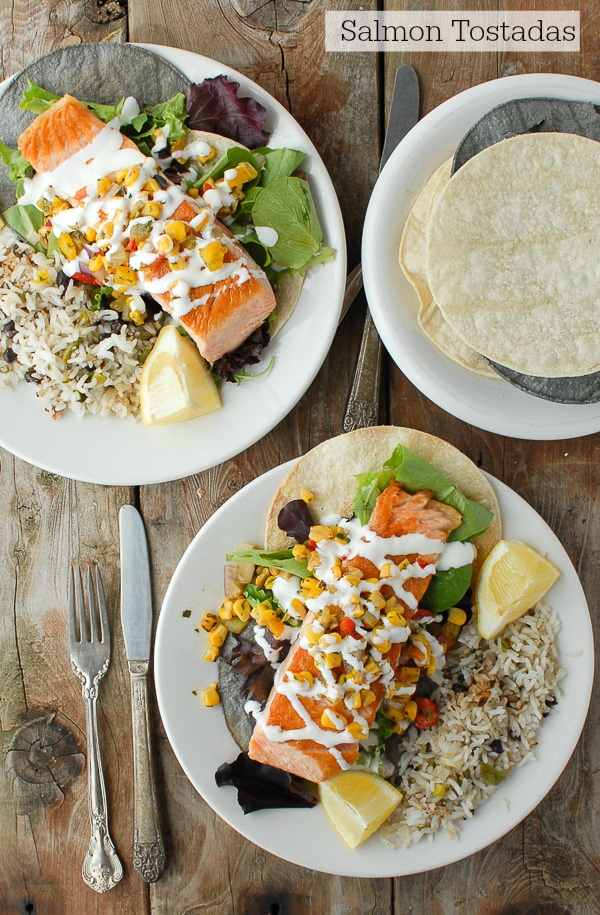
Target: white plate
{"type": "Point", "coordinates": [201, 740]}
{"type": "Point", "coordinates": [488, 403]}
{"type": "Point", "coordinates": [126, 453]}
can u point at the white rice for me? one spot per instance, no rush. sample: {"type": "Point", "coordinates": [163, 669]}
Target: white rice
{"type": "Point", "coordinates": [512, 684]}
{"type": "Point", "coordinates": [56, 339]}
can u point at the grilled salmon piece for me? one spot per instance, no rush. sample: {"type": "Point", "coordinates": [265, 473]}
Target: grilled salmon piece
{"type": "Point", "coordinates": [231, 308]}
{"type": "Point", "coordinates": [65, 128]}
{"type": "Point", "coordinates": [396, 513]}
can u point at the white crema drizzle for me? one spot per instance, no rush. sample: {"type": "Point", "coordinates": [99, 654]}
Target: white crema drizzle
{"type": "Point", "coordinates": [105, 156]}
{"type": "Point", "coordinates": [359, 650]}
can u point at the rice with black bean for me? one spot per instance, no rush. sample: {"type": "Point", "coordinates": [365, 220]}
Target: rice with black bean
{"type": "Point", "coordinates": [491, 701]}
{"type": "Point", "coordinates": [79, 359]}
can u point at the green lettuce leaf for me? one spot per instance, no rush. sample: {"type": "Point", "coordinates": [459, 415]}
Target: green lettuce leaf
{"type": "Point", "coordinates": [26, 221]}
{"type": "Point", "coordinates": [37, 99]}
{"type": "Point", "coordinates": [286, 205]}
{"type": "Point", "coordinates": [447, 588]}
{"type": "Point", "coordinates": [417, 474]}
{"type": "Point", "coordinates": [278, 163]}
{"type": "Point", "coordinates": [278, 559]}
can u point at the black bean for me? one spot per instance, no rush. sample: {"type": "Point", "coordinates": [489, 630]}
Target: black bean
{"type": "Point", "coordinates": [9, 355]}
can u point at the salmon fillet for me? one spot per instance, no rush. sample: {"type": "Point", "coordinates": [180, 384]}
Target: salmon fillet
{"type": "Point", "coordinates": [396, 513]}
{"type": "Point", "coordinates": [227, 310]}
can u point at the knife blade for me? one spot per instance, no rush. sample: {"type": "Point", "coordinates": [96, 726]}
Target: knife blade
{"type": "Point", "coordinates": [362, 406]}
{"type": "Point", "coordinates": [404, 110]}
{"type": "Point", "coordinates": [149, 857]}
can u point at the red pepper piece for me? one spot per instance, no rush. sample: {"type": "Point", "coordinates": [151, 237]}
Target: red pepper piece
{"type": "Point", "coordinates": [348, 627]}
{"type": "Point", "coordinates": [427, 714]}
{"type": "Point", "coordinates": [85, 278]}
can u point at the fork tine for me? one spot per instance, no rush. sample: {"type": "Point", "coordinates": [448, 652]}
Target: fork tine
{"type": "Point", "coordinates": [102, 605]}
{"type": "Point", "coordinates": [72, 610]}
{"type": "Point", "coordinates": [80, 604]}
{"type": "Point", "coordinates": [93, 615]}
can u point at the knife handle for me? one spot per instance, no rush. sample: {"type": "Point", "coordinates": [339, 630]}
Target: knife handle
{"type": "Point", "coordinates": [148, 849]}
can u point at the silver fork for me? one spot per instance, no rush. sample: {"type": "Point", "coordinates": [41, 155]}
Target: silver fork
{"type": "Point", "coordinates": [89, 641]}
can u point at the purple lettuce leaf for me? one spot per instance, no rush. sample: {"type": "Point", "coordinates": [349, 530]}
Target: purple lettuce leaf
{"type": "Point", "coordinates": [215, 106]}
{"type": "Point", "coordinates": [262, 787]}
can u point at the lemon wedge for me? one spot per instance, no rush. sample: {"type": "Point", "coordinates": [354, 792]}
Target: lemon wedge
{"type": "Point", "coordinates": [176, 383]}
{"type": "Point", "coordinates": [357, 803]}
{"type": "Point", "coordinates": [513, 578]}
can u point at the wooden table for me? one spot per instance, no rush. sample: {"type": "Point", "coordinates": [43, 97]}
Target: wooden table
{"type": "Point", "coordinates": [550, 863]}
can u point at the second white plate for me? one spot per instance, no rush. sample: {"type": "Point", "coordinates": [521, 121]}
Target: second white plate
{"type": "Point", "coordinates": [489, 403]}
{"type": "Point", "coordinates": [201, 740]}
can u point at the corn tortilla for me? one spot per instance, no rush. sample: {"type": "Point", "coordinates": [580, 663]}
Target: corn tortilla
{"type": "Point", "coordinates": [511, 254]}
{"type": "Point", "coordinates": [412, 260]}
{"type": "Point", "coordinates": [328, 471]}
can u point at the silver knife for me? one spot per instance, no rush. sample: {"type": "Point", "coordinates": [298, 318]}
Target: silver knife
{"type": "Point", "coordinates": [136, 618]}
{"type": "Point", "coordinates": [362, 407]}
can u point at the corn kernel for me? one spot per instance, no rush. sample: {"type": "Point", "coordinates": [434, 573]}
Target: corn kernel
{"type": "Point", "coordinates": [385, 570]}
{"type": "Point", "coordinates": [152, 209]}
{"type": "Point", "coordinates": [67, 246]}
{"type": "Point", "coordinates": [96, 263]}
{"type": "Point", "coordinates": [138, 317]}
{"type": "Point", "coordinates": [439, 790]}
{"type": "Point", "coordinates": [42, 276]}
{"type": "Point", "coordinates": [89, 234]}
{"type": "Point", "coordinates": [395, 618]}
{"type": "Point", "coordinates": [377, 600]}
{"type": "Point", "coordinates": [176, 230]}
{"type": "Point", "coordinates": [299, 607]}
{"type": "Point", "coordinates": [299, 551]}
{"type": "Point", "coordinates": [355, 699]}
{"type": "Point", "coordinates": [408, 675]}
{"type": "Point", "coordinates": [306, 676]}
{"type": "Point", "coordinates": [209, 621]}
{"type": "Point", "coordinates": [104, 185]}
{"type": "Point", "coordinates": [431, 667]}
{"type": "Point", "coordinates": [226, 611]}
{"type": "Point", "coordinates": [329, 639]}
{"type": "Point", "coordinates": [371, 667]}
{"type": "Point", "coordinates": [213, 255]}
{"type": "Point", "coordinates": [320, 532]}
{"type": "Point", "coordinates": [121, 175]}
{"type": "Point", "coordinates": [457, 616]}
{"type": "Point", "coordinates": [242, 608]}
{"type": "Point", "coordinates": [210, 696]}
{"type": "Point", "coordinates": [367, 697]}
{"type": "Point", "coordinates": [394, 713]}
{"type": "Point", "coordinates": [193, 192]}
{"type": "Point", "coordinates": [330, 719]}
{"type": "Point", "coordinates": [307, 496]}
{"type": "Point", "coordinates": [131, 177]}
{"type": "Point", "coordinates": [358, 731]}
{"type": "Point", "coordinates": [106, 231]}
{"type": "Point", "coordinates": [125, 276]}
{"type": "Point", "coordinates": [151, 186]}
{"type": "Point", "coordinates": [333, 659]}
{"type": "Point", "coordinates": [276, 627]}
{"type": "Point", "coordinates": [410, 710]}
{"type": "Point", "coordinates": [217, 635]}
{"type": "Point", "coordinates": [311, 636]}
{"type": "Point", "coordinates": [211, 654]}
{"type": "Point", "coordinates": [179, 264]}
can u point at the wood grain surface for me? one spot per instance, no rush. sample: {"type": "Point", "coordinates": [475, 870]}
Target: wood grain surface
{"type": "Point", "coordinates": [549, 864]}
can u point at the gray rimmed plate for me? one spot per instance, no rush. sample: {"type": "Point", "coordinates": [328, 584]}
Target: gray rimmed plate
{"type": "Point", "coordinates": [536, 115]}
{"type": "Point", "coordinates": [97, 72]}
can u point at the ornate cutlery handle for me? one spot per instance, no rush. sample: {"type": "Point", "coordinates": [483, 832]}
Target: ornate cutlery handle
{"type": "Point", "coordinates": [362, 408]}
{"type": "Point", "coordinates": [148, 849]}
{"type": "Point", "coordinates": [102, 868]}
